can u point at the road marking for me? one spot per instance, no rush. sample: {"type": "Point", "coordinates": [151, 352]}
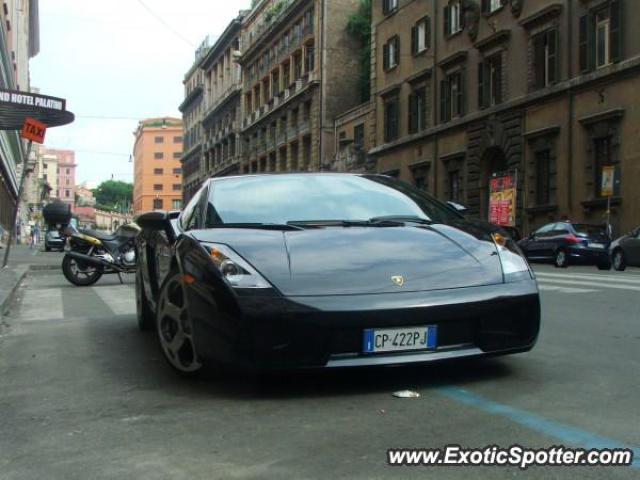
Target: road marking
{"type": "Point", "coordinates": [589, 277]}
{"type": "Point", "coordinates": [45, 304]}
{"type": "Point", "coordinates": [119, 298]}
{"type": "Point", "coordinates": [567, 434]}
{"type": "Point", "coordinates": [548, 287]}
{"type": "Point", "coordinates": [584, 283]}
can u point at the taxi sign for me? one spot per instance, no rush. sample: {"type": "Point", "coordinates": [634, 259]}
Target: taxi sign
{"type": "Point", "coordinates": [34, 130]}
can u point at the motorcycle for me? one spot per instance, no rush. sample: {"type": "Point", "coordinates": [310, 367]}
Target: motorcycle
{"type": "Point", "coordinates": [90, 254]}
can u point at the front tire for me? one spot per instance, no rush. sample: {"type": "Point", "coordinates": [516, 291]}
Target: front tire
{"type": "Point", "coordinates": [561, 259]}
{"type": "Point", "coordinates": [144, 313]}
{"type": "Point", "coordinates": [80, 274]}
{"type": "Point", "coordinates": [619, 262]}
{"type": "Point", "coordinates": [175, 332]}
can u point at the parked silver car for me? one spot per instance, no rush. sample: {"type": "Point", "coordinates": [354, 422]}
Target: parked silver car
{"type": "Point", "coordinates": [625, 251]}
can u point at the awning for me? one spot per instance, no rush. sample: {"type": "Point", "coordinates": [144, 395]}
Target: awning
{"type": "Point", "coordinates": [16, 106]}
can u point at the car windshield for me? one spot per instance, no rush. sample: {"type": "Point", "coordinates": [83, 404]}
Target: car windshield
{"type": "Point", "coordinates": [589, 230]}
{"type": "Point", "coordinates": [280, 199]}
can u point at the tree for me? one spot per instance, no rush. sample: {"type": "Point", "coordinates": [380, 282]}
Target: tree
{"type": "Point", "coordinates": [114, 195]}
{"type": "Point", "coordinates": [359, 26]}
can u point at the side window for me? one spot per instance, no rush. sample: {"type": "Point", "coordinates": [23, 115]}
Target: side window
{"type": "Point", "coordinates": [545, 229]}
{"type": "Point", "coordinates": [189, 217]}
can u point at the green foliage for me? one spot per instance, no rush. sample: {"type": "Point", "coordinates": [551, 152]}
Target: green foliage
{"type": "Point", "coordinates": [359, 26]}
{"type": "Point", "coordinates": [113, 195]}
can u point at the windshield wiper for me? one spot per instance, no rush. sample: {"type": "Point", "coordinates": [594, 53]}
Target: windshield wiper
{"type": "Point", "coordinates": [258, 226]}
{"type": "Point", "coordinates": [401, 219]}
{"type": "Point", "coordinates": [346, 223]}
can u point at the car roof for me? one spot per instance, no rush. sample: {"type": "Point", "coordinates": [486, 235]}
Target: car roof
{"type": "Point", "coordinates": [297, 174]}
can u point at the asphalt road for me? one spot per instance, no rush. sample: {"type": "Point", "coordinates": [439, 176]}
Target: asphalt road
{"type": "Point", "coordinates": [84, 395]}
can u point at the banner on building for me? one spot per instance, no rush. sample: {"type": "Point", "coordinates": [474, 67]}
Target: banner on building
{"type": "Point", "coordinates": [502, 200]}
{"type": "Point", "coordinates": [608, 179]}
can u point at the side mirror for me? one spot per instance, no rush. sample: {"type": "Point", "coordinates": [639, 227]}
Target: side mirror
{"type": "Point", "coordinates": [457, 207]}
{"type": "Point", "coordinates": [153, 221]}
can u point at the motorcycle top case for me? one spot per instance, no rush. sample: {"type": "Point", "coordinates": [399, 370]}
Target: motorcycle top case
{"type": "Point", "coordinates": [57, 213]}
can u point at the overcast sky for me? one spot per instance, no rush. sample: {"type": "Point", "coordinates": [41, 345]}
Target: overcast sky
{"type": "Point", "coordinates": [115, 59]}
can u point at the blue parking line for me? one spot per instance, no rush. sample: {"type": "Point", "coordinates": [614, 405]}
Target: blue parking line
{"type": "Point", "coordinates": [565, 433]}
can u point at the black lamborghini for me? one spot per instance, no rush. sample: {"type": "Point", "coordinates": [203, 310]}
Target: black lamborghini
{"type": "Point", "coordinates": [328, 270]}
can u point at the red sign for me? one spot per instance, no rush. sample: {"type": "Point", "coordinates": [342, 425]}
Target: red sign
{"type": "Point", "coordinates": [34, 130]}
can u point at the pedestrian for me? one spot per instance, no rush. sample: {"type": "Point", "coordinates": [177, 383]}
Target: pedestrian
{"type": "Point", "coordinates": [32, 237]}
{"type": "Point", "coordinates": [36, 230]}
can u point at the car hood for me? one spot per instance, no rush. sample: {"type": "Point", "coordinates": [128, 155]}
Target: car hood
{"type": "Point", "coordinates": [369, 260]}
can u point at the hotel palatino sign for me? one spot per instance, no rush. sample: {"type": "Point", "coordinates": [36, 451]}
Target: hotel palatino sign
{"type": "Point", "coordinates": [16, 107]}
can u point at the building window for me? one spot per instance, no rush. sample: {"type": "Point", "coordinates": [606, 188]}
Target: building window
{"type": "Point", "coordinates": [157, 187]}
{"type": "Point", "coordinates": [545, 58]}
{"type": "Point", "coordinates": [176, 204]}
{"type": "Point", "coordinates": [177, 155]}
{"type": "Point", "coordinates": [358, 136]}
{"type": "Point", "coordinates": [454, 186]}
{"type": "Point", "coordinates": [490, 82]}
{"type": "Point", "coordinates": [158, 139]}
{"type": "Point", "coordinates": [391, 116]}
{"type": "Point", "coordinates": [452, 96]}
{"type": "Point", "coordinates": [490, 6]}
{"type": "Point", "coordinates": [68, 171]}
{"type": "Point", "coordinates": [391, 53]}
{"type": "Point", "coordinates": [177, 139]}
{"type": "Point", "coordinates": [418, 109]}
{"type": "Point", "coordinates": [543, 177]}
{"type": "Point", "coordinates": [177, 187]}
{"type": "Point", "coordinates": [177, 171]}
{"type": "Point", "coordinates": [421, 36]}
{"type": "Point", "coordinates": [389, 6]}
{"type": "Point", "coordinates": [157, 204]}
{"type": "Point", "coordinates": [158, 171]}
{"type": "Point", "coordinates": [600, 37]}
{"type": "Point", "coordinates": [67, 193]}
{"type": "Point", "coordinates": [67, 182]}
{"type": "Point", "coordinates": [453, 18]}
{"type": "Point", "coordinates": [421, 177]}
{"type": "Point", "coordinates": [309, 58]}
{"type": "Point", "coordinates": [158, 155]}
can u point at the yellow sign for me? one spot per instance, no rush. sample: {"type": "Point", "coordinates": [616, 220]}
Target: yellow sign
{"type": "Point", "coordinates": [608, 177]}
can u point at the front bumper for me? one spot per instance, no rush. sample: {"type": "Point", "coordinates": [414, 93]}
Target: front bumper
{"type": "Point", "coordinates": [267, 332]}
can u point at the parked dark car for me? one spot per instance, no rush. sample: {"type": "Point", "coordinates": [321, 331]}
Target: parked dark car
{"type": "Point", "coordinates": [566, 243]}
{"type": "Point", "coordinates": [53, 240]}
{"type": "Point", "coordinates": [328, 270]}
{"type": "Point", "coordinates": [625, 251]}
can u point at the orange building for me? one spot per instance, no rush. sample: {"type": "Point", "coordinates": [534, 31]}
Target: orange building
{"type": "Point", "coordinates": [157, 168]}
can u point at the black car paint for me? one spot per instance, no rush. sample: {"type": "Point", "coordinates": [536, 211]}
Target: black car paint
{"type": "Point", "coordinates": [324, 293]}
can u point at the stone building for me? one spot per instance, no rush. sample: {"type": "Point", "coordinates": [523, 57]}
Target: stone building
{"type": "Point", "coordinates": [221, 116]}
{"type": "Point", "coordinates": [465, 89]}
{"type": "Point", "coordinates": [296, 58]}
{"type": "Point", "coordinates": [192, 108]}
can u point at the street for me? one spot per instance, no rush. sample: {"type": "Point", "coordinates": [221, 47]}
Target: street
{"type": "Point", "coordinates": [85, 395]}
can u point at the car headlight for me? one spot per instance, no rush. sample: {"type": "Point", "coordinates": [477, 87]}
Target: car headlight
{"type": "Point", "coordinates": [514, 265]}
{"type": "Point", "coordinates": [234, 269]}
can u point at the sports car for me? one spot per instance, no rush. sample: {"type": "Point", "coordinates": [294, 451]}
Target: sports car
{"type": "Point", "coordinates": [324, 270]}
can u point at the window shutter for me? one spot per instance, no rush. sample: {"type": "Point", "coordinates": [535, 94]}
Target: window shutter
{"type": "Point", "coordinates": [539, 59]}
{"type": "Point", "coordinates": [447, 20]}
{"type": "Point", "coordinates": [583, 43]}
{"type": "Point", "coordinates": [422, 112]}
{"type": "Point", "coordinates": [427, 32]}
{"type": "Point", "coordinates": [443, 100]}
{"type": "Point", "coordinates": [485, 6]}
{"type": "Point", "coordinates": [461, 93]}
{"type": "Point", "coordinates": [553, 66]}
{"type": "Point", "coordinates": [615, 37]}
{"type": "Point", "coordinates": [412, 113]}
{"type": "Point", "coordinates": [397, 53]}
{"type": "Point", "coordinates": [385, 6]}
{"type": "Point", "coordinates": [462, 15]}
{"type": "Point", "coordinates": [481, 89]}
{"type": "Point", "coordinates": [591, 39]}
{"type": "Point", "coordinates": [385, 56]}
{"type": "Point", "coordinates": [414, 40]}
{"type": "Point", "coordinates": [497, 85]}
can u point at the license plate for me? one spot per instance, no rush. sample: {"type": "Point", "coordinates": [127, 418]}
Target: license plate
{"type": "Point", "coordinates": [400, 339]}
{"type": "Point", "coordinates": [595, 245]}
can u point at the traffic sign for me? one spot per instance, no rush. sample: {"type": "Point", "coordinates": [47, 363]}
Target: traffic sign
{"type": "Point", "coordinates": [34, 130]}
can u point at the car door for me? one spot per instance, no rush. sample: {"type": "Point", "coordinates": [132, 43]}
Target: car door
{"type": "Point", "coordinates": [631, 249]}
{"type": "Point", "coordinates": [535, 246]}
{"type": "Point", "coordinates": [556, 239]}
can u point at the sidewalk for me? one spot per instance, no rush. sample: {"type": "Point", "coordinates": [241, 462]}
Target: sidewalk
{"type": "Point", "coordinates": [22, 260]}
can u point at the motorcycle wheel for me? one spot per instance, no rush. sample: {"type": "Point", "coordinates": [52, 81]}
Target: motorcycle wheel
{"type": "Point", "coordinates": [79, 273]}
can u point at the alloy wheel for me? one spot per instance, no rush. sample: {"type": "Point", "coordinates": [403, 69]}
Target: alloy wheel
{"type": "Point", "coordinates": [561, 259]}
{"type": "Point", "coordinates": [174, 328]}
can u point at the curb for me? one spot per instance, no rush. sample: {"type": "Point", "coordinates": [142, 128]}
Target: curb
{"type": "Point", "coordinates": [21, 275]}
